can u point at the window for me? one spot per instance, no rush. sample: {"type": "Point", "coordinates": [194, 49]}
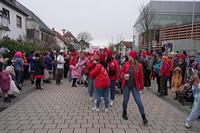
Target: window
{"type": "Point", "coordinates": [6, 14]}
{"type": "Point", "coordinates": [19, 22]}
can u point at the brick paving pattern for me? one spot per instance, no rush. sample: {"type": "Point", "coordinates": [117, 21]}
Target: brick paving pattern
{"type": "Point", "coordinates": [63, 109]}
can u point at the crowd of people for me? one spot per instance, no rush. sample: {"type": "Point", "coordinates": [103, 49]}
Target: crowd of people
{"type": "Point", "coordinates": [103, 72]}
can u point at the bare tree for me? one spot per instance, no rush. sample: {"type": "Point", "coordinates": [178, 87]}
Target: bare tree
{"type": "Point", "coordinates": [145, 22]}
{"type": "Point", "coordinates": [84, 36]}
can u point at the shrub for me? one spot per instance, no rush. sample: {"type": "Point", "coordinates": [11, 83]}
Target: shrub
{"type": "Point", "coordinates": [15, 46]}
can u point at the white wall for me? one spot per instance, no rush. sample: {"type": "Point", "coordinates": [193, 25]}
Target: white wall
{"type": "Point", "coordinates": [15, 32]}
{"type": "Point", "coordinates": [61, 44]}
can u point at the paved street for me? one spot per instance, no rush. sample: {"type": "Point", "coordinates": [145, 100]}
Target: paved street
{"type": "Point", "coordinates": [62, 109]}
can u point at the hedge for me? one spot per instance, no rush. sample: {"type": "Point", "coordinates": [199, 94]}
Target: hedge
{"type": "Point", "coordinates": [15, 46]}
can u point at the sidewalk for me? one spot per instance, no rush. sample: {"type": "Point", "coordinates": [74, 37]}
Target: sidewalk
{"type": "Point", "coordinates": [27, 89]}
{"type": "Point", "coordinates": [63, 109]}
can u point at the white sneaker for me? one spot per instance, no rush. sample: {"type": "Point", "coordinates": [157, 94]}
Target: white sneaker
{"type": "Point", "coordinates": [187, 125]}
{"type": "Point", "coordinates": [106, 110]}
{"type": "Point", "coordinates": [97, 109]}
{"type": "Point", "coordinates": [94, 108]}
{"type": "Point", "coordinates": [91, 98]}
{"type": "Point", "coordinates": [111, 103]}
{"type": "Point", "coordinates": [95, 101]}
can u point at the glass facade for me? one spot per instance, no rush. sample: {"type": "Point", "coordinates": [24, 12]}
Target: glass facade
{"type": "Point", "coordinates": [171, 20]}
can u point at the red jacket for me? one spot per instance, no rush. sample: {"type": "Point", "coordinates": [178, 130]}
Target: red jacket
{"type": "Point", "coordinates": [113, 65]}
{"type": "Point", "coordinates": [73, 61]}
{"type": "Point", "coordinates": [139, 75]}
{"type": "Point", "coordinates": [165, 69]}
{"type": "Point", "coordinates": [90, 66]}
{"type": "Point", "coordinates": [101, 78]}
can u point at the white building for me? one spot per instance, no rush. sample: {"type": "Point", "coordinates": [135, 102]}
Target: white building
{"type": "Point", "coordinates": [61, 41]}
{"type": "Point", "coordinates": [12, 21]}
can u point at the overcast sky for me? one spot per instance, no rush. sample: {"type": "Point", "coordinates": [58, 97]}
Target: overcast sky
{"type": "Point", "coordinates": [103, 19]}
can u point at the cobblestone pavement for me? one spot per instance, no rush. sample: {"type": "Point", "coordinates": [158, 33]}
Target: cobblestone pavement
{"type": "Point", "coordinates": [63, 109]}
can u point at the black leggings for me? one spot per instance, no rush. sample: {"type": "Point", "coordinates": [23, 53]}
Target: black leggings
{"type": "Point", "coordinates": [74, 81]}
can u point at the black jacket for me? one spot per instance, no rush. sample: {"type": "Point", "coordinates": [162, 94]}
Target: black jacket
{"type": "Point", "coordinates": [39, 66]}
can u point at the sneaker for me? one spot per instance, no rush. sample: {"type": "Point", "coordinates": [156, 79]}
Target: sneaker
{"type": "Point", "coordinates": [106, 110]}
{"type": "Point", "coordinates": [97, 109]}
{"type": "Point", "coordinates": [91, 99]}
{"type": "Point", "coordinates": [111, 103]}
{"type": "Point", "coordinates": [95, 101]}
{"type": "Point", "coordinates": [94, 108]}
{"type": "Point", "coordinates": [187, 125]}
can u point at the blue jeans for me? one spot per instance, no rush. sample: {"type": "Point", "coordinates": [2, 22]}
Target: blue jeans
{"type": "Point", "coordinates": [69, 75]}
{"type": "Point", "coordinates": [91, 87]}
{"type": "Point", "coordinates": [112, 89]}
{"type": "Point", "coordinates": [136, 95]}
{"type": "Point", "coordinates": [102, 92]}
{"type": "Point", "coordinates": [195, 113]}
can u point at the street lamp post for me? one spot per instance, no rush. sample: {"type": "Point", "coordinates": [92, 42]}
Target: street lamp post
{"type": "Point", "coordinates": [192, 32]}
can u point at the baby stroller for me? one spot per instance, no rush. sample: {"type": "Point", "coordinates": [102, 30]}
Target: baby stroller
{"type": "Point", "coordinates": [184, 93]}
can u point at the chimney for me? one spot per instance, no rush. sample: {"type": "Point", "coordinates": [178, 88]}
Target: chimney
{"type": "Point", "coordinates": [63, 30]}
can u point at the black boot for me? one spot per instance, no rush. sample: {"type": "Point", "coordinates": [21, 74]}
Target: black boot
{"type": "Point", "coordinates": [124, 115]}
{"type": "Point", "coordinates": [145, 121]}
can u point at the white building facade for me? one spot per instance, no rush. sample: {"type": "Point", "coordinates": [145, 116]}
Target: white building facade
{"type": "Point", "coordinates": [15, 20]}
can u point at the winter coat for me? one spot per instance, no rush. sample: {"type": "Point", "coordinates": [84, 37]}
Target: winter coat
{"type": "Point", "coordinates": [165, 69]}
{"type": "Point", "coordinates": [101, 77]}
{"type": "Point", "coordinates": [18, 65]}
{"type": "Point", "coordinates": [90, 66]}
{"type": "Point", "coordinates": [74, 71]}
{"type": "Point", "coordinates": [4, 82]}
{"type": "Point", "coordinates": [48, 62]}
{"type": "Point", "coordinates": [176, 79]}
{"type": "Point", "coordinates": [31, 63]}
{"type": "Point", "coordinates": [113, 70]}
{"type": "Point", "coordinates": [39, 66]}
{"type": "Point", "coordinates": [138, 75]}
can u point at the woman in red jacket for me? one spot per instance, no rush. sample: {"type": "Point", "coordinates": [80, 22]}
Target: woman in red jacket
{"type": "Point", "coordinates": [133, 81]}
{"type": "Point", "coordinates": [101, 82]}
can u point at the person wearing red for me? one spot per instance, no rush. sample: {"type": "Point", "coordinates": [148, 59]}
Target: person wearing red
{"type": "Point", "coordinates": [164, 75]}
{"type": "Point", "coordinates": [101, 82]}
{"type": "Point", "coordinates": [74, 69]}
{"type": "Point", "coordinates": [133, 81]}
{"type": "Point", "coordinates": [114, 73]}
{"type": "Point", "coordinates": [91, 66]}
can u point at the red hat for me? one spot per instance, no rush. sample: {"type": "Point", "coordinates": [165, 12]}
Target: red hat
{"type": "Point", "coordinates": [65, 55]}
{"type": "Point", "coordinates": [110, 52]}
{"type": "Point", "coordinates": [105, 49]}
{"type": "Point", "coordinates": [133, 54]}
{"type": "Point", "coordinates": [181, 56]}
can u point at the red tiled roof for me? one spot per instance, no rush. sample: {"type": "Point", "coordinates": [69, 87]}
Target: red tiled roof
{"type": "Point", "coordinates": [69, 34]}
{"type": "Point", "coordinates": [61, 37]}
{"type": "Point", "coordinates": [127, 44]}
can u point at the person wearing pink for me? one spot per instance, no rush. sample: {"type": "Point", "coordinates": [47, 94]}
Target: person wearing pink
{"type": "Point", "coordinates": [74, 70]}
{"type": "Point", "coordinates": [114, 73]}
{"type": "Point", "coordinates": [133, 81]}
{"type": "Point", "coordinates": [81, 62]}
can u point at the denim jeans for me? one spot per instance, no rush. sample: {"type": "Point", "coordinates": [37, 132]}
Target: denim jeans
{"type": "Point", "coordinates": [112, 89]}
{"type": "Point", "coordinates": [69, 75]}
{"type": "Point", "coordinates": [18, 77]}
{"type": "Point", "coordinates": [195, 113]}
{"type": "Point", "coordinates": [102, 92]}
{"type": "Point", "coordinates": [136, 96]}
{"type": "Point", "coordinates": [91, 87]}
